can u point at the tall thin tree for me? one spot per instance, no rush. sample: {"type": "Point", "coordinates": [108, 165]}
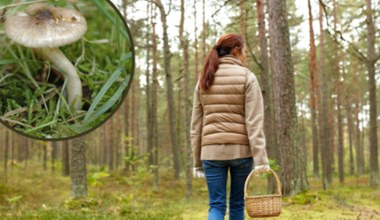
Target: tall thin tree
{"type": "Point", "coordinates": [196, 59]}
{"type": "Point", "coordinates": [313, 69]}
{"type": "Point", "coordinates": [154, 99]}
{"type": "Point", "coordinates": [371, 61]}
{"type": "Point", "coordinates": [186, 96]}
{"type": "Point", "coordinates": [338, 101]}
{"type": "Point", "coordinates": [169, 90]}
{"type": "Point", "coordinates": [323, 115]}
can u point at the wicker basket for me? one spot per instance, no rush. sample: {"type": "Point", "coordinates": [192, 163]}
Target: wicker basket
{"type": "Point", "coordinates": [263, 205]}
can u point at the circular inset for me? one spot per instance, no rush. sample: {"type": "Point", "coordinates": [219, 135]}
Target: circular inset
{"type": "Point", "coordinates": [65, 66]}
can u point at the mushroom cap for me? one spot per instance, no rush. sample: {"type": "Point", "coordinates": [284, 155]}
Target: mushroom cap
{"type": "Point", "coordinates": [42, 26]}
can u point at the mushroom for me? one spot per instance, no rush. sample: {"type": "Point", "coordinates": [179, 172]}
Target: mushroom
{"type": "Point", "coordinates": [46, 28]}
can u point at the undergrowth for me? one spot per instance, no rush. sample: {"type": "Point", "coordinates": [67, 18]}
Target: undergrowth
{"type": "Point", "coordinates": [114, 195]}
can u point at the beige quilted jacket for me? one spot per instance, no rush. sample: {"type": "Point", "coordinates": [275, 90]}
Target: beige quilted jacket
{"type": "Point", "coordinates": [227, 119]}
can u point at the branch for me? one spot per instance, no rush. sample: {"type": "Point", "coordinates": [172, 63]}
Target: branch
{"type": "Point", "coordinates": [253, 55]}
{"type": "Point", "coordinates": [170, 8]}
{"type": "Point", "coordinates": [220, 8]}
{"type": "Point", "coordinates": [358, 54]}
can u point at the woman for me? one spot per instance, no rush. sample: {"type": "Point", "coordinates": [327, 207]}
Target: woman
{"type": "Point", "coordinates": [227, 126]}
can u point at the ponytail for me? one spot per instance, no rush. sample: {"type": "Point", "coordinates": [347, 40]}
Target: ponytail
{"type": "Point", "coordinates": [209, 69]}
{"type": "Point", "coordinates": [223, 47]}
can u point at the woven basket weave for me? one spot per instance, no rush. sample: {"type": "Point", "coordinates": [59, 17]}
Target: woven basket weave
{"type": "Point", "coordinates": [263, 205]}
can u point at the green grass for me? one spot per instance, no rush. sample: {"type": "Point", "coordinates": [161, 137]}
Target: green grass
{"type": "Point", "coordinates": [46, 195]}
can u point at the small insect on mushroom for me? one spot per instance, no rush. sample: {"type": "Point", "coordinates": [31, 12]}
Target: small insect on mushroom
{"type": "Point", "coordinates": [47, 28]}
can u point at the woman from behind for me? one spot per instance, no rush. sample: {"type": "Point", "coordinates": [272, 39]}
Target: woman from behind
{"type": "Point", "coordinates": [227, 126]}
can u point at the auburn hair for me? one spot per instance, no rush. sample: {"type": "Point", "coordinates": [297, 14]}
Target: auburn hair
{"type": "Point", "coordinates": [223, 47]}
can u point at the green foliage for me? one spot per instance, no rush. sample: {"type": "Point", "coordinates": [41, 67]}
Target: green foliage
{"type": "Point", "coordinates": [44, 195]}
{"type": "Point", "coordinates": [273, 164]}
{"type": "Point", "coordinates": [81, 203]}
{"type": "Point", "coordinates": [303, 198]}
{"type": "Point", "coordinates": [14, 200]}
{"type": "Point", "coordinates": [96, 179]}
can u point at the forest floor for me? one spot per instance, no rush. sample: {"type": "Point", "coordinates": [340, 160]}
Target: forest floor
{"type": "Point", "coordinates": [37, 194]}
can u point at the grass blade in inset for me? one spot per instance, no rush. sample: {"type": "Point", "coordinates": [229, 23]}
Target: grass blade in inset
{"type": "Point", "coordinates": [110, 103]}
{"type": "Point", "coordinates": [115, 75]}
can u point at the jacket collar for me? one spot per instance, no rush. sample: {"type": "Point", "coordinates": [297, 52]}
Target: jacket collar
{"type": "Point", "coordinates": [229, 59]}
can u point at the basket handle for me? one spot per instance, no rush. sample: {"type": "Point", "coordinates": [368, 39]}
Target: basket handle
{"type": "Point", "coordinates": [251, 175]}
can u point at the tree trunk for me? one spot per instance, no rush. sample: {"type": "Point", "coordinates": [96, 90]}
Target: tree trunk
{"type": "Point", "coordinates": [6, 152]}
{"type": "Point", "coordinates": [371, 60]}
{"type": "Point", "coordinates": [324, 118]}
{"type": "Point", "coordinates": [293, 170]}
{"type": "Point", "coordinates": [118, 133]}
{"type": "Point", "coordinates": [196, 59]}
{"type": "Point", "coordinates": [54, 149]}
{"type": "Point", "coordinates": [269, 122]}
{"type": "Point", "coordinates": [126, 135]}
{"type": "Point", "coordinates": [350, 130]}
{"type": "Point", "coordinates": [186, 101]}
{"type": "Point", "coordinates": [12, 147]}
{"type": "Point", "coordinates": [154, 101]}
{"type": "Point", "coordinates": [359, 147]}
{"type": "Point", "coordinates": [241, 17]}
{"type": "Point", "coordinates": [148, 92]}
{"type": "Point", "coordinates": [110, 144]}
{"type": "Point", "coordinates": [313, 68]}
{"type": "Point", "coordinates": [65, 158]}
{"type": "Point", "coordinates": [338, 103]}
{"type": "Point", "coordinates": [203, 30]}
{"type": "Point", "coordinates": [45, 155]}
{"type": "Point", "coordinates": [78, 168]}
{"type": "Point", "coordinates": [169, 92]}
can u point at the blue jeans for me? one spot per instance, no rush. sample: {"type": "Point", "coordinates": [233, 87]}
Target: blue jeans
{"type": "Point", "coordinates": [216, 172]}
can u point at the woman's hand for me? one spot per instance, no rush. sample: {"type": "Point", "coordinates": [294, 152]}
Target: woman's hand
{"type": "Point", "coordinates": [198, 172]}
{"type": "Point", "coordinates": [262, 168]}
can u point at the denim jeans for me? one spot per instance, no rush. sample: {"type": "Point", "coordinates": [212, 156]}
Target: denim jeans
{"type": "Point", "coordinates": [216, 172]}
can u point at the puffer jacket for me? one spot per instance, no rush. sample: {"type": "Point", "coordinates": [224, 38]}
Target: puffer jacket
{"type": "Point", "coordinates": [227, 119]}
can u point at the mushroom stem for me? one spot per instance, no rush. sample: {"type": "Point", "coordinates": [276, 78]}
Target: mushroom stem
{"type": "Point", "coordinates": [74, 85]}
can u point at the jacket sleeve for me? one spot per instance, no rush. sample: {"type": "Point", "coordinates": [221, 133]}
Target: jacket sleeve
{"type": "Point", "coordinates": [254, 119]}
{"type": "Point", "coordinates": [196, 128]}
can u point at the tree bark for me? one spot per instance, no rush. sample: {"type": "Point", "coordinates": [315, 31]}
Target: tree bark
{"type": "Point", "coordinates": [154, 102]}
{"type": "Point", "coordinates": [313, 68]}
{"type": "Point", "coordinates": [65, 159]}
{"type": "Point", "coordinates": [187, 103]}
{"type": "Point", "coordinates": [293, 170]}
{"type": "Point", "coordinates": [269, 122]}
{"type": "Point", "coordinates": [349, 130]}
{"type": "Point", "coordinates": [371, 61]}
{"type": "Point", "coordinates": [196, 72]}
{"type": "Point", "coordinates": [54, 149]}
{"type": "Point", "coordinates": [338, 102]}
{"type": "Point", "coordinates": [78, 168]}
{"type": "Point", "coordinates": [148, 91]}
{"type": "Point", "coordinates": [359, 147]}
{"type": "Point", "coordinates": [324, 118]}
{"type": "Point", "coordinates": [169, 92]}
